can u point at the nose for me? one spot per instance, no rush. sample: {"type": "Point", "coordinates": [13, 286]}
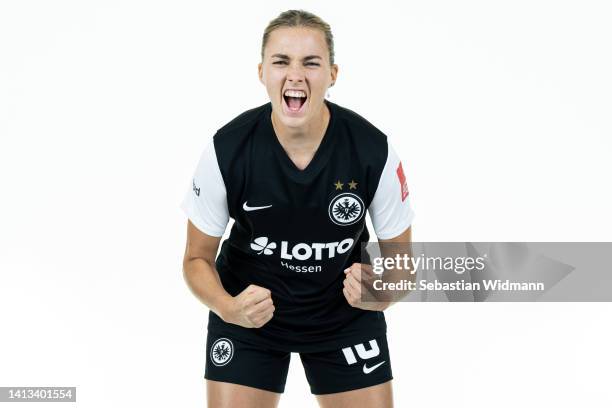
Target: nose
{"type": "Point", "coordinates": [295, 73]}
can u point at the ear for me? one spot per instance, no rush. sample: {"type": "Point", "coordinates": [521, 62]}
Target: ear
{"type": "Point", "coordinates": [260, 72]}
{"type": "Point", "coordinates": [334, 73]}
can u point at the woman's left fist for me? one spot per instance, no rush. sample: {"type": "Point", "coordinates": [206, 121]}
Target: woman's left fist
{"type": "Point", "coordinates": [359, 277]}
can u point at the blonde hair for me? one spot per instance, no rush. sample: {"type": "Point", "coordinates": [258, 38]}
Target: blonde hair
{"type": "Point", "coordinates": [300, 18]}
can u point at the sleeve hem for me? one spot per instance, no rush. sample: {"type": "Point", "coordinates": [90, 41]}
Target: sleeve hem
{"type": "Point", "coordinates": [200, 225]}
{"type": "Point", "coordinates": [397, 231]}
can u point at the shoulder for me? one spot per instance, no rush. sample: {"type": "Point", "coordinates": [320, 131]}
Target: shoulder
{"type": "Point", "coordinates": [243, 123]}
{"type": "Point", "coordinates": [367, 137]}
{"type": "Point", "coordinates": [231, 141]}
{"type": "Point", "coordinates": [354, 120]}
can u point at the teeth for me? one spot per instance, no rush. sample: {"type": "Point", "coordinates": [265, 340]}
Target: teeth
{"type": "Point", "coordinates": [295, 94]}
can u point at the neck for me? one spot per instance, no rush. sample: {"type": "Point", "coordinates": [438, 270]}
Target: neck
{"type": "Point", "coordinates": [305, 136]}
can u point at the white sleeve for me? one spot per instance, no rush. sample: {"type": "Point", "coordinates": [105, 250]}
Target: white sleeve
{"type": "Point", "coordinates": [390, 209]}
{"type": "Point", "coordinates": [205, 202]}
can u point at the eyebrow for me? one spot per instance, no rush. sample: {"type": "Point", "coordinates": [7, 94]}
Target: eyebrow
{"type": "Point", "coordinates": [286, 57]}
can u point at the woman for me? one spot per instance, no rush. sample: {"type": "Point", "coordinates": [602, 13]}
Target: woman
{"type": "Point", "coordinates": [297, 175]}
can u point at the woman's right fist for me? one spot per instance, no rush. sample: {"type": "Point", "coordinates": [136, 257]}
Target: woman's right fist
{"type": "Point", "coordinates": [253, 307]}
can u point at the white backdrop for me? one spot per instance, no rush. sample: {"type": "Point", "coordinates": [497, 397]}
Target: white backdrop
{"type": "Point", "coordinates": [499, 110]}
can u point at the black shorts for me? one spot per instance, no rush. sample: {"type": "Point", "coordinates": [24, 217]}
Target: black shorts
{"type": "Point", "coordinates": [347, 367]}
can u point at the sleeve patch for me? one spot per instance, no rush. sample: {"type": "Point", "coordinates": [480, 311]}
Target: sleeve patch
{"type": "Point", "coordinates": [402, 181]}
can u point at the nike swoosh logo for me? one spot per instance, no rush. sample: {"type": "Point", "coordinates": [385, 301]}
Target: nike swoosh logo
{"type": "Point", "coordinates": [245, 207]}
{"type": "Point", "coordinates": [368, 370]}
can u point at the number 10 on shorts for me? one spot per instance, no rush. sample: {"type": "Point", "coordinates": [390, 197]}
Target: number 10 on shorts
{"type": "Point", "coordinates": [361, 352]}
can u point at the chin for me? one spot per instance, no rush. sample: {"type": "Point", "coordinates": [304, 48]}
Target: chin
{"type": "Point", "coordinates": [293, 122]}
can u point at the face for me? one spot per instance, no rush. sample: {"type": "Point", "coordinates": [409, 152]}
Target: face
{"type": "Point", "coordinates": [296, 73]}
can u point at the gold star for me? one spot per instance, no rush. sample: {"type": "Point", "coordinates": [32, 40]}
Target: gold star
{"type": "Point", "coordinates": [353, 185]}
{"type": "Point", "coordinates": [338, 185]}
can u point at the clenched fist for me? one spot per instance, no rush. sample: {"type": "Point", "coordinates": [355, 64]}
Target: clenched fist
{"type": "Point", "coordinates": [354, 275]}
{"type": "Point", "coordinates": [252, 308]}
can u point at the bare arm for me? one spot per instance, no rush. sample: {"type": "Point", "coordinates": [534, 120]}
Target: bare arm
{"type": "Point", "coordinates": [358, 272]}
{"type": "Point", "coordinates": [200, 273]}
{"type": "Point", "coordinates": [401, 245]}
{"type": "Point", "coordinates": [253, 307]}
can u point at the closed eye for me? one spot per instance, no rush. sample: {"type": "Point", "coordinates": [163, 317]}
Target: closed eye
{"type": "Point", "coordinates": [285, 62]}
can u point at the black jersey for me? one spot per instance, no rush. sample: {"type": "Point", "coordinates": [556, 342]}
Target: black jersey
{"type": "Point", "coordinates": [295, 231]}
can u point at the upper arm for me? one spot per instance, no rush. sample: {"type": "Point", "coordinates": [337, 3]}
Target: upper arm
{"type": "Point", "coordinates": [200, 245]}
{"type": "Point", "coordinates": [400, 245]}
{"type": "Point", "coordinates": [404, 237]}
{"type": "Point", "coordinates": [205, 204]}
{"type": "Point", "coordinates": [390, 209]}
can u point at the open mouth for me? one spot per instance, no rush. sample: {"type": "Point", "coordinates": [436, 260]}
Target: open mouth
{"type": "Point", "coordinates": [294, 100]}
